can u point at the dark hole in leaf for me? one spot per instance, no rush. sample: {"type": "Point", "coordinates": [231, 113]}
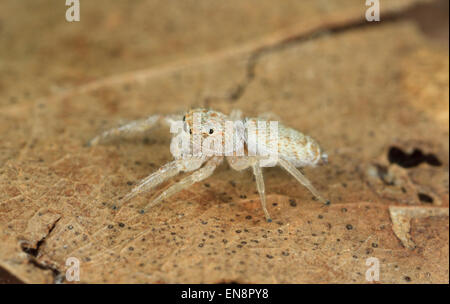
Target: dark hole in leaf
{"type": "Point", "coordinates": [406, 160]}
{"type": "Point", "coordinates": [425, 198]}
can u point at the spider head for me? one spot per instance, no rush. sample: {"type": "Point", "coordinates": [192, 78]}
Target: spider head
{"type": "Point", "coordinates": [206, 133]}
{"type": "Point", "coordinates": [205, 129]}
{"type": "Point", "coordinates": [203, 122]}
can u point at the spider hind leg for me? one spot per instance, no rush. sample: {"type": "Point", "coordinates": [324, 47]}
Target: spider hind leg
{"type": "Point", "coordinates": [302, 179]}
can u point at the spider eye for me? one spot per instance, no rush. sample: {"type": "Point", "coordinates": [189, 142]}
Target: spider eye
{"type": "Point", "coordinates": [211, 131]}
{"type": "Point", "coordinates": [184, 118]}
{"type": "Point", "coordinates": [190, 131]}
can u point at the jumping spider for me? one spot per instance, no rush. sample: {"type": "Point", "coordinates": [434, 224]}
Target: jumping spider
{"type": "Point", "coordinates": [294, 150]}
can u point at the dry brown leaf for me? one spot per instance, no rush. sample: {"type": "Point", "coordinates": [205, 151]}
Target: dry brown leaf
{"type": "Point", "coordinates": [329, 74]}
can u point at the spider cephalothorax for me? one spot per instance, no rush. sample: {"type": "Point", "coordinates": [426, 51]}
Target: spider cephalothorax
{"type": "Point", "coordinates": [203, 138]}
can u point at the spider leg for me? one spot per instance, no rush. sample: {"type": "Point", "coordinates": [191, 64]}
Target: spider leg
{"type": "Point", "coordinates": [162, 174]}
{"type": "Point", "coordinates": [133, 128]}
{"type": "Point", "coordinates": [257, 171]}
{"type": "Point", "coordinates": [195, 177]}
{"type": "Point", "coordinates": [301, 179]}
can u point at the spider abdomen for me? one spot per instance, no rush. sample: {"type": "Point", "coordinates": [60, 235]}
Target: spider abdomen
{"type": "Point", "coordinates": [301, 150]}
{"type": "Point", "coordinates": [294, 146]}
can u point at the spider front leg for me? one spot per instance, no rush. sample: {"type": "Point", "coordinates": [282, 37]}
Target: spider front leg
{"type": "Point", "coordinates": [201, 174]}
{"type": "Point", "coordinates": [162, 174]}
{"type": "Point", "coordinates": [133, 128]}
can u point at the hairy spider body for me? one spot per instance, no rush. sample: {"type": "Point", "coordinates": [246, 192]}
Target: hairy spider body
{"type": "Point", "coordinates": [292, 148]}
